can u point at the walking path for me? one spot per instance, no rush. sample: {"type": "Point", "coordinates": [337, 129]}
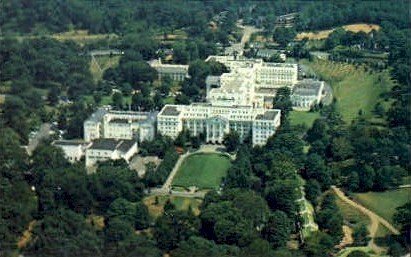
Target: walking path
{"type": "Point", "coordinates": [374, 218]}
{"type": "Point", "coordinates": [167, 185]}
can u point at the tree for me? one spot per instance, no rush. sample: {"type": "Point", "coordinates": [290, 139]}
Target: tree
{"type": "Point", "coordinates": [318, 131]}
{"type": "Point", "coordinates": [121, 208]}
{"type": "Point", "coordinates": [402, 217]}
{"type": "Point", "coordinates": [284, 35]}
{"type": "Point", "coordinates": [231, 141]}
{"type": "Point", "coordinates": [340, 149]}
{"type": "Point", "coordinates": [315, 168]}
{"type": "Point", "coordinates": [53, 95]}
{"type": "Point", "coordinates": [65, 188]}
{"type": "Point", "coordinates": [64, 233]}
{"type": "Point", "coordinates": [319, 244]}
{"type": "Point", "coordinates": [278, 228]}
{"type": "Point", "coordinates": [330, 219]}
{"type": "Point", "coordinates": [360, 235]}
{"type": "Point", "coordinates": [312, 191]}
{"type": "Point", "coordinates": [134, 72]}
{"type": "Point", "coordinates": [141, 217]}
{"type": "Point", "coordinates": [200, 247]}
{"type": "Point", "coordinates": [48, 157]}
{"type": "Point", "coordinates": [174, 227]}
{"type": "Point", "coordinates": [224, 223]}
{"type": "Point", "coordinates": [118, 100]}
{"type": "Point", "coordinates": [282, 101]}
{"type": "Point", "coordinates": [111, 182]}
{"type": "Point", "coordinates": [118, 229]}
{"type": "Point", "coordinates": [282, 195]}
{"type": "Point", "coordinates": [388, 177]}
{"type": "Point", "coordinates": [358, 253]}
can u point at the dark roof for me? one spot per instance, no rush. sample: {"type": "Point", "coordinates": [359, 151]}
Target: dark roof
{"type": "Point", "coordinates": [68, 142]}
{"type": "Point", "coordinates": [125, 121]}
{"type": "Point", "coordinates": [268, 115]}
{"type": "Point", "coordinates": [170, 111]}
{"type": "Point", "coordinates": [125, 145]}
{"type": "Point", "coordinates": [307, 87]}
{"type": "Point", "coordinates": [112, 144]}
{"type": "Point", "coordinates": [104, 144]}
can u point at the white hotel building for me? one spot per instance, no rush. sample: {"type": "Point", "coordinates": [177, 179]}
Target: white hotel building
{"type": "Point", "coordinates": [239, 103]}
{"type": "Point", "coordinates": [216, 121]}
{"type": "Point", "coordinates": [105, 123]}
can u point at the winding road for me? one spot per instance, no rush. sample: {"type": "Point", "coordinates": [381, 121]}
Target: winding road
{"type": "Point", "coordinates": [374, 218]}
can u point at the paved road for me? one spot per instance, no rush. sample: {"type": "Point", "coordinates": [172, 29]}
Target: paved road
{"type": "Point", "coordinates": [43, 133]}
{"type": "Point", "coordinates": [374, 218]}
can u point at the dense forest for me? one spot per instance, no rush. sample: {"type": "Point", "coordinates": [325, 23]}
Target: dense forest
{"type": "Point", "coordinates": [61, 203]}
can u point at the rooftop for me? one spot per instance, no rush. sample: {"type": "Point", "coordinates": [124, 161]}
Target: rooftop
{"type": "Point", "coordinates": [307, 87]}
{"type": "Point", "coordinates": [170, 110]}
{"type": "Point", "coordinates": [268, 115]}
{"type": "Point", "coordinates": [68, 142]}
{"type": "Point", "coordinates": [97, 115]}
{"type": "Point", "coordinates": [112, 144]}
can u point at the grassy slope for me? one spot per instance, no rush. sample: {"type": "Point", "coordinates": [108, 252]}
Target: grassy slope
{"type": "Point", "coordinates": [384, 203]}
{"type": "Point", "coordinates": [307, 118]}
{"type": "Point", "coordinates": [104, 62]}
{"type": "Point", "coordinates": [202, 170]}
{"type": "Point", "coordinates": [354, 88]}
{"type": "Point", "coordinates": [323, 34]}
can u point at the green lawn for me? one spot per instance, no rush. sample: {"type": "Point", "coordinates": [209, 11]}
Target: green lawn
{"type": "Point", "coordinates": [384, 203]}
{"type": "Point", "coordinates": [107, 100]}
{"type": "Point", "coordinates": [307, 118]}
{"type": "Point", "coordinates": [202, 170]}
{"type": "Point", "coordinates": [350, 214]}
{"type": "Point", "coordinates": [354, 88]}
{"type": "Point", "coordinates": [181, 203]}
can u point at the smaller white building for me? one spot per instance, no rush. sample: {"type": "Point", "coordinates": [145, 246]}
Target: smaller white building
{"type": "Point", "coordinates": [110, 149]}
{"type": "Point", "coordinates": [306, 94]}
{"type": "Point", "coordinates": [73, 150]}
{"type": "Point", "coordinates": [176, 72]}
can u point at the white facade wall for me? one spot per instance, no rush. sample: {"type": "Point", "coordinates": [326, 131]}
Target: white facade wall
{"type": "Point", "coordinates": [99, 155]}
{"type": "Point", "coordinates": [120, 125]}
{"type": "Point", "coordinates": [216, 121]}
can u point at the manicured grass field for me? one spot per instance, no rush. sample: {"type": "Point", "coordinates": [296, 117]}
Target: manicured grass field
{"type": "Point", "coordinates": [204, 171]}
{"type": "Point", "coordinates": [307, 118]}
{"type": "Point", "coordinates": [354, 88]}
{"type": "Point", "coordinates": [384, 203]}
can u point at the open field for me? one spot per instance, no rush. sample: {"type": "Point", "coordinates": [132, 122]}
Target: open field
{"type": "Point", "coordinates": [107, 100]}
{"type": "Point", "coordinates": [204, 171]}
{"type": "Point", "coordinates": [181, 203]}
{"type": "Point", "coordinates": [307, 118]}
{"type": "Point", "coordinates": [2, 99]}
{"type": "Point", "coordinates": [354, 88]}
{"type": "Point", "coordinates": [79, 36]}
{"type": "Point", "coordinates": [323, 34]}
{"type": "Point", "coordinates": [351, 215]}
{"type": "Point", "coordinates": [102, 63]}
{"type": "Point", "coordinates": [345, 252]}
{"type": "Point", "coordinates": [384, 203]}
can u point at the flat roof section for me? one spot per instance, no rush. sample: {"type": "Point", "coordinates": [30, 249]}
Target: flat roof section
{"type": "Point", "coordinates": [104, 144]}
{"type": "Point", "coordinates": [170, 111]}
{"type": "Point", "coordinates": [268, 115]}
